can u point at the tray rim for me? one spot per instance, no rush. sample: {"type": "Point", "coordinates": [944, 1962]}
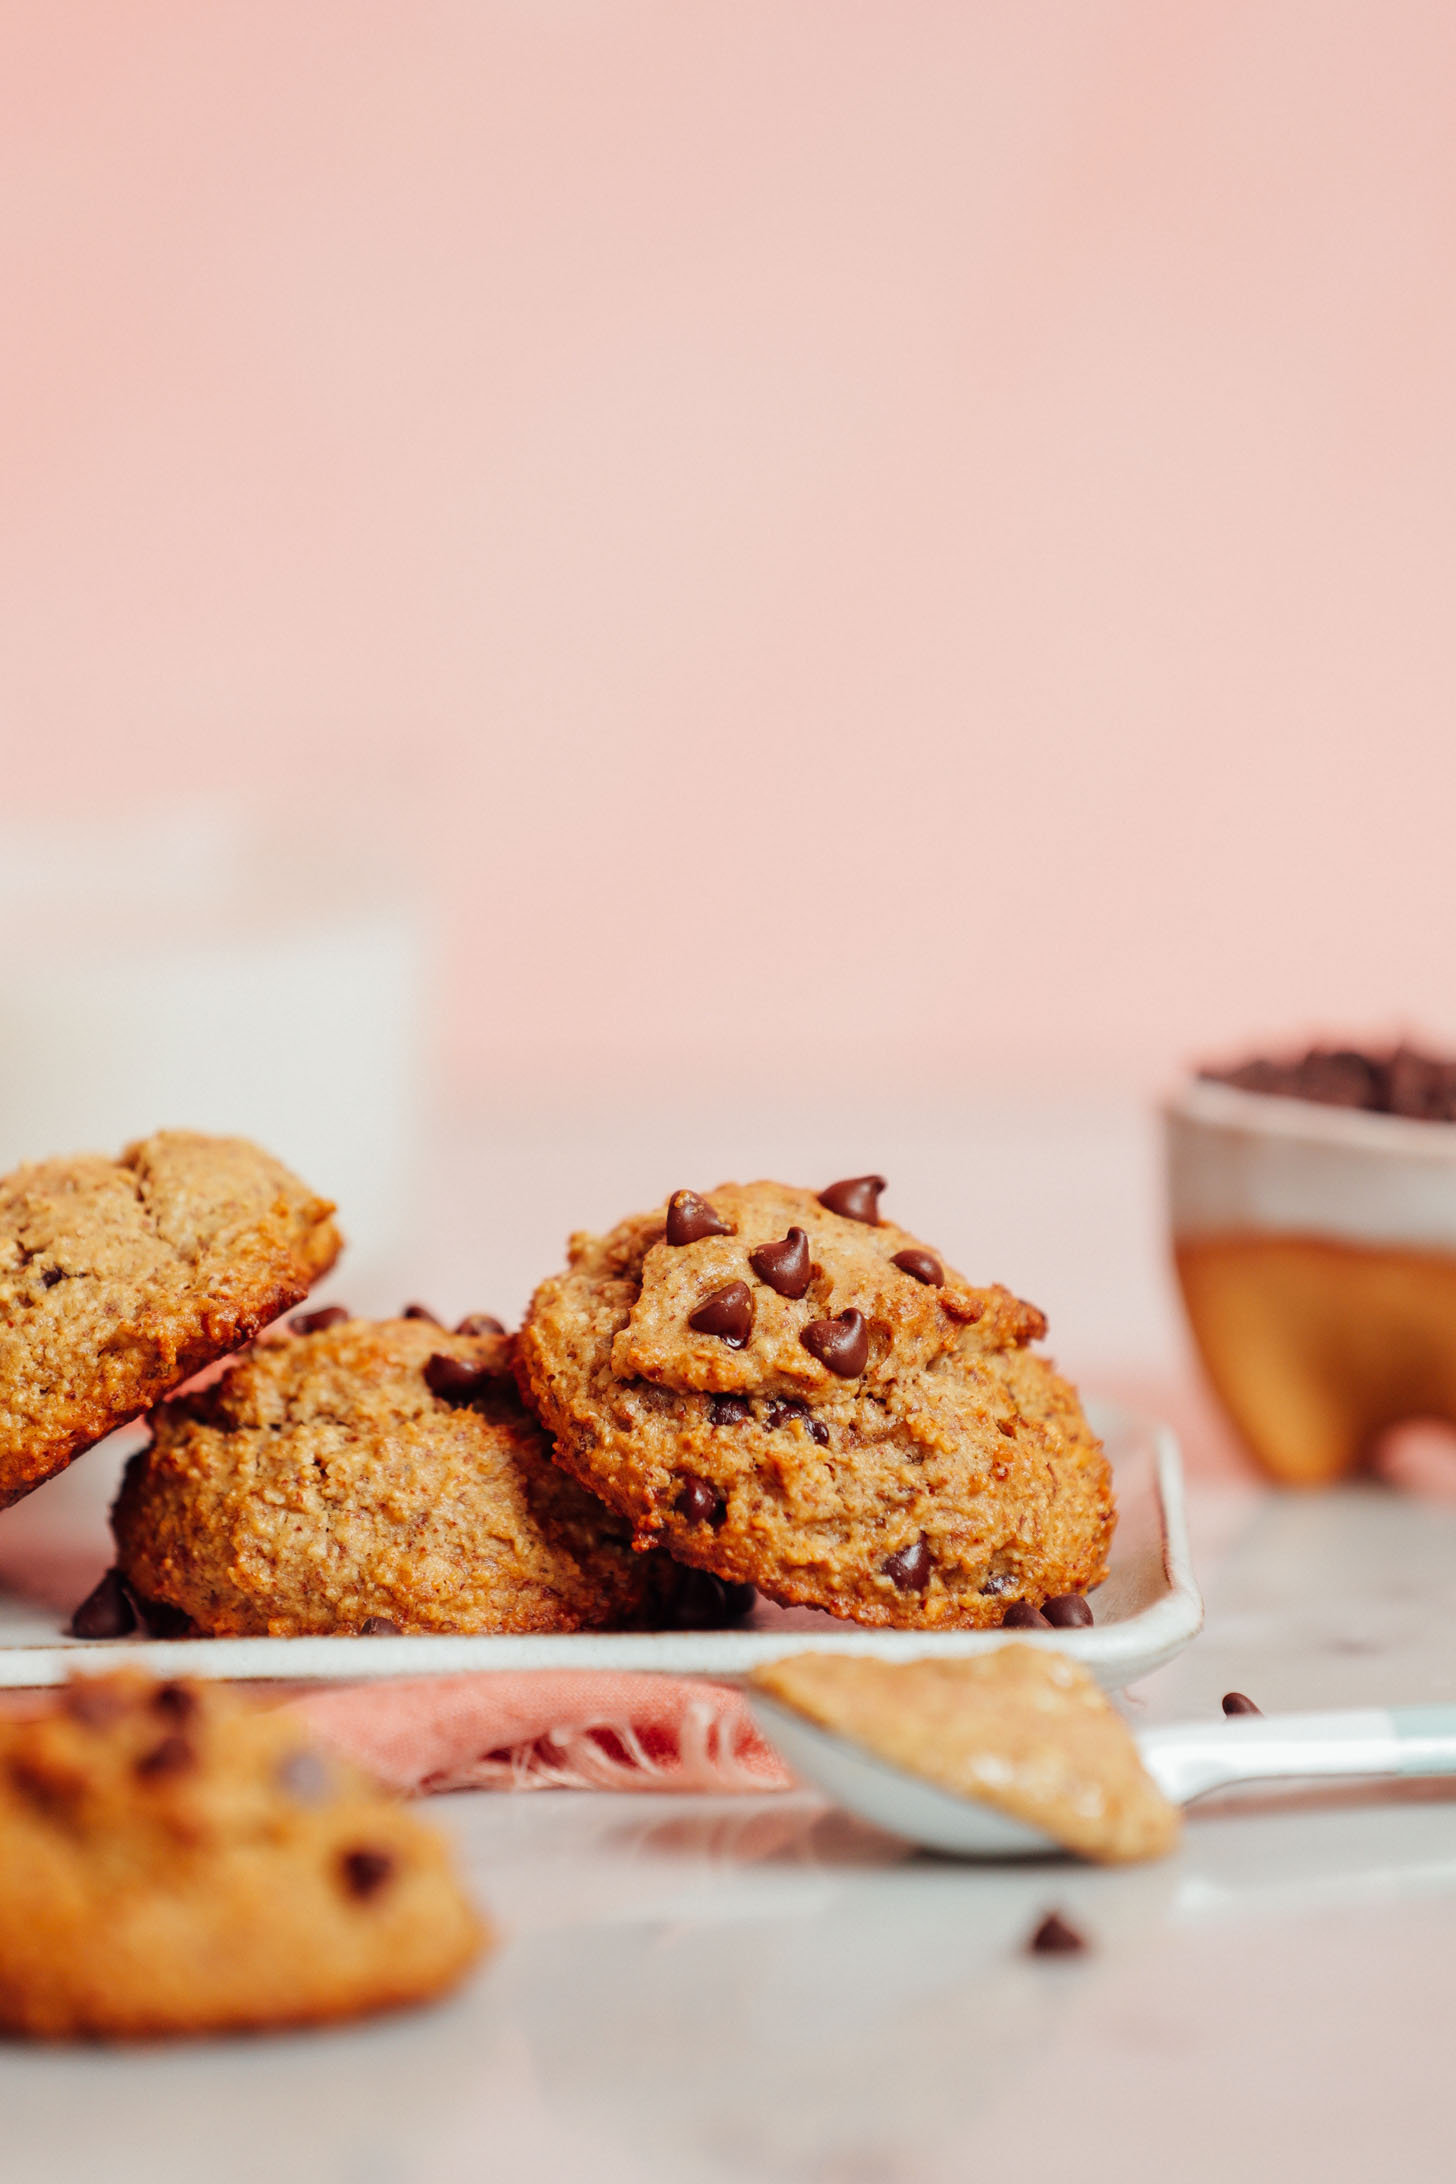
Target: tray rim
{"type": "Point", "coordinates": [1115, 1653]}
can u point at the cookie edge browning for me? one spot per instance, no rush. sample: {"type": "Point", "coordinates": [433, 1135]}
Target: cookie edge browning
{"type": "Point", "coordinates": [162, 1364]}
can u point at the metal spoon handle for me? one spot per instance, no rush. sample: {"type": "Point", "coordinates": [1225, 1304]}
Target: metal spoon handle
{"type": "Point", "coordinates": [1187, 1759]}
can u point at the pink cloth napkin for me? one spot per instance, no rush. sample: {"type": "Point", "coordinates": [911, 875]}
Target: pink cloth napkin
{"type": "Point", "coordinates": [548, 1729]}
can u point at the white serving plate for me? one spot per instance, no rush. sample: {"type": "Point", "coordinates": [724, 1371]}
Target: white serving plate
{"type": "Point", "coordinates": [1146, 1612]}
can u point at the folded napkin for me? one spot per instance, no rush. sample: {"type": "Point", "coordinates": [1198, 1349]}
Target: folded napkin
{"type": "Point", "coordinates": [593, 1729]}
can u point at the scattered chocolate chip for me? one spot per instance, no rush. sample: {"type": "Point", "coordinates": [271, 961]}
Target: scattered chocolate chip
{"type": "Point", "coordinates": [784, 1267]}
{"type": "Point", "coordinates": [921, 1266]}
{"type": "Point", "coordinates": [480, 1323]}
{"type": "Point", "coordinates": [107, 1611]}
{"type": "Point", "coordinates": [305, 1777]}
{"type": "Point", "coordinates": [843, 1344]}
{"type": "Point", "coordinates": [999, 1581]}
{"type": "Point", "coordinates": [1056, 1936]}
{"type": "Point", "coordinates": [161, 1620]}
{"type": "Point", "coordinates": [699, 1501]}
{"type": "Point", "coordinates": [727, 1313]}
{"type": "Point", "coordinates": [366, 1871]}
{"type": "Point", "coordinates": [455, 1379]}
{"type": "Point", "coordinates": [1021, 1615]}
{"type": "Point", "coordinates": [174, 1702]}
{"type": "Point", "coordinates": [314, 1323]}
{"type": "Point", "coordinates": [1234, 1702]}
{"type": "Point", "coordinates": [50, 1277]}
{"type": "Point", "coordinates": [1398, 1081]}
{"type": "Point", "coordinates": [730, 1410]}
{"type": "Point", "coordinates": [909, 1569]}
{"type": "Point", "coordinates": [701, 1601]}
{"type": "Point", "coordinates": [378, 1626]}
{"type": "Point", "coordinates": [1067, 1611]}
{"type": "Point", "coordinates": [420, 1311]}
{"type": "Point", "coordinates": [856, 1198]}
{"type": "Point", "coordinates": [174, 1755]}
{"type": "Point", "coordinates": [93, 1702]}
{"type": "Point", "coordinates": [689, 1218]}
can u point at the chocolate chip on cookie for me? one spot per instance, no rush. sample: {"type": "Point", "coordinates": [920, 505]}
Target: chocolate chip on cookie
{"type": "Point", "coordinates": [857, 1198]}
{"type": "Point", "coordinates": [690, 1219]}
{"type": "Point", "coordinates": [727, 1313]}
{"type": "Point", "coordinates": [784, 1266]}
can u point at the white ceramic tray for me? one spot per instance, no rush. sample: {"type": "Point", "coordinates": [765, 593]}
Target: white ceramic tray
{"type": "Point", "coordinates": [1146, 1612]}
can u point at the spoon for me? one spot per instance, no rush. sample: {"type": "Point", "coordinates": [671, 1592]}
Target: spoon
{"type": "Point", "coordinates": [1186, 1760]}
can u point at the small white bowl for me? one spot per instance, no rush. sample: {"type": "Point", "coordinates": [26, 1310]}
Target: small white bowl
{"type": "Point", "coordinates": [1316, 1251]}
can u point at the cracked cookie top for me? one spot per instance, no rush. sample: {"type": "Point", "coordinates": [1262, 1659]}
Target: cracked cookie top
{"type": "Point", "coordinates": [119, 1279]}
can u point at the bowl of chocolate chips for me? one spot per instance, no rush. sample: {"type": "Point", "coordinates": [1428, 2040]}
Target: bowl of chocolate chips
{"type": "Point", "coordinates": [1313, 1209]}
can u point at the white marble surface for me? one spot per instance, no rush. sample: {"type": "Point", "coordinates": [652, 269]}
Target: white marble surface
{"type": "Point", "coordinates": [759, 1991]}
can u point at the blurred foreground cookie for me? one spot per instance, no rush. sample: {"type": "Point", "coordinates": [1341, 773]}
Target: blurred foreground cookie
{"type": "Point", "coordinates": [175, 1862]}
{"type": "Point", "coordinates": [1026, 1731]}
{"type": "Point", "coordinates": [792, 1394]}
{"type": "Point", "coordinates": [366, 1477]}
{"type": "Point", "coordinates": [119, 1279]}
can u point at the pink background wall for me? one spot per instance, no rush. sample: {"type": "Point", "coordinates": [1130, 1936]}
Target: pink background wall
{"type": "Point", "coordinates": [913, 534]}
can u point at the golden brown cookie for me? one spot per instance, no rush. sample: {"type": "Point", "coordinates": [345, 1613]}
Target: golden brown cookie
{"type": "Point", "coordinates": [119, 1279]}
{"type": "Point", "coordinates": [175, 1862]}
{"type": "Point", "coordinates": [1019, 1728]}
{"type": "Point", "coordinates": [367, 1474]}
{"type": "Point", "coordinates": [792, 1394]}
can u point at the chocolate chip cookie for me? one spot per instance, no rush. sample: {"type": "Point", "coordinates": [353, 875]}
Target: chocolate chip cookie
{"type": "Point", "coordinates": [173, 1862]}
{"type": "Point", "coordinates": [792, 1393]}
{"type": "Point", "coordinates": [119, 1279]}
{"type": "Point", "coordinates": [364, 1477]}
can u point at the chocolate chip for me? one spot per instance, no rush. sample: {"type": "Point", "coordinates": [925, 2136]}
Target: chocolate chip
{"type": "Point", "coordinates": [106, 1612]}
{"type": "Point", "coordinates": [699, 1501]}
{"type": "Point", "coordinates": [420, 1311]}
{"type": "Point", "coordinates": [1067, 1611]}
{"type": "Point", "coordinates": [314, 1323]}
{"type": "Point", "coordinates": [305, 1777]}
{"type": "Point", "coordinates": [727, 1313]}
{"type": "Point", "coordinates": [174, 1702]}
{"type": "Point", "coordinates": [455, 1379]}
{"type": "Point", "coordinates": [366, 1871]}
{"type": "Point", "coordinates": [1234, 1702]}
{"type": "Point", "coordinates": [173, 1756]}
{"type": "Point", "coordinates": [1021, 1615]}
{"type": "Point", "coordinates": [480, 1323]}
{"type": "Point", "coordinates": [689, 1218]}
{"type": "Point", "coordinates": [783, 1411]}
{"type": "Point", "coordinates": [93, 1701]}
{"type": "Point", "coordinates": [843, 1344]}
{"type": "Point", "coordinates": [1056, 1936]}
{"type": "Point", "coordinates": [921, 1266]}
{"type": "Point", "coordinates": [730, 1410]}
{"type": "Point", "coordinates": [50, 1277]}
{"type": "Point", "coordinates": [909, 1569]}
{"type": "Point", "coordinates": [785, 1267]}
{"type": "Point", "coordinates": [701, 1601]}
{"type": "Point", "coordinates": [378, 1626]}
{"type": "Point", "coordinates": [856, 1198]}
{"type": "Point", "coordinates": [999, 1581]}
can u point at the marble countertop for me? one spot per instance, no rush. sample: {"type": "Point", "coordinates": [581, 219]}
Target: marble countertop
{"type": "Point", "coordinates": [749, 1990]}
